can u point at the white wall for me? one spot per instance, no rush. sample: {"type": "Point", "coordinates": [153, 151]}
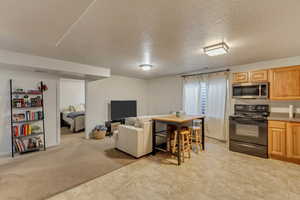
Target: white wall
{"type": "Point", "coordinates": [72, 92]}
{"type": "Point", "coordinates": [28, 80]}
{"type": "Point", "coordinates": [100, 93]}
{"type": "Point", "coordinates": [165, 95]}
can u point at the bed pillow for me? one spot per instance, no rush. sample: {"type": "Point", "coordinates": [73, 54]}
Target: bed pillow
{"type": "Point", "coordinates": [64, 110]}
{"type": "Point", "coordinates": [79, 108]}
{"type": "Point", "coordinates": [72, 109]}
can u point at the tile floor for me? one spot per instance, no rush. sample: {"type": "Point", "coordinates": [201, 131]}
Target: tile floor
{"type": "Point", "coordinates": [214, 174]}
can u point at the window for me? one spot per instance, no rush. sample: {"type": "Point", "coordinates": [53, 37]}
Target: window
{"type": "Point", "coordinates": [195, 97]}
{"type": "Point", "coordinates": [203, 97]}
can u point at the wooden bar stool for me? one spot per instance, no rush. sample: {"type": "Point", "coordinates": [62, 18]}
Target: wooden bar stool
{"type": "Point", "coordinates": [184, 136]}
{"type": "Point", "coordinates": [171, 137]}
{"type": "Point", "coordinates": [196, 138]}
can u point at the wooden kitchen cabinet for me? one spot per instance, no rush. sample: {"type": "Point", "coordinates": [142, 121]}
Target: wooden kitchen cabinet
{"type": "Point", "coordinates": [284, 140]}
{"type": "Point", "coordinates": [293, 142]}
{"type": "Point", "coordinates": [277, 140]}
{"type": "Point", "coordinates": [240, 77]}
{"type": "Point", "coordinates": [253, 76]}
{"type": "Point", "coordinates": [258, 76]}
{"type": "Point", "coordinates": [285, 83]}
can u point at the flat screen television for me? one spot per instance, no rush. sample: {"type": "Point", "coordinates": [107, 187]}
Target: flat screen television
{"type": "Point", "coordinates": [122, 109]}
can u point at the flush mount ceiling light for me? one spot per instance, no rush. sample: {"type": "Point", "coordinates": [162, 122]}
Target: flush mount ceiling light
{"type": "Point", "coordinates": [146, 67]}
{"type": "Point", "coordinates": [216, 49]}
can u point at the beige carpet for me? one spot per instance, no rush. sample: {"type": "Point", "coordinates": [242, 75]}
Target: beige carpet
{"type": "Point", "coordinates": [75, 161]}
{"type": "Point", "coordinates": [216, 174]}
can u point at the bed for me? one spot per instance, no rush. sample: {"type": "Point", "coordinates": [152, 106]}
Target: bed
{"type": "Point", "coordinates": [74, 117]}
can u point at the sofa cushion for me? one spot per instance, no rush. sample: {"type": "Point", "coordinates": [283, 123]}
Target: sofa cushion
{"type": "Point", "coordinates": [130, 121]}
{"type": "Point", "coordinates": [138, 123]}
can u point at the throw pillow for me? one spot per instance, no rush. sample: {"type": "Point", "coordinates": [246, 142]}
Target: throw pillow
{"type": "Point", "coordinates": [79, 108]}
{"type": "Point", "coordinates": [72, 109]}
{"type": "Point", "coordinates": [130, 121]}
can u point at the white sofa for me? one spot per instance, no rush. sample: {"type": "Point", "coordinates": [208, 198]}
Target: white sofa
{"type": "Point", "coordinates": [135, 137]}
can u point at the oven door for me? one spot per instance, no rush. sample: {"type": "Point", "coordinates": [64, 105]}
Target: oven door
{"type": "Point", "coordinates": [249, 130]}
{"type": "Point", "coordinates": [250, 90]}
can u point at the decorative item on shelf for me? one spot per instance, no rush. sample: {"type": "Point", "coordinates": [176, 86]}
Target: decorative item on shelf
{"type": "Point", "coordinates": [31, 144]}
{"type": "Point", "coordinates": [18, 117]}
{"type": "Point", "coordinates": [19, 90]}
{"type": "Point", "coordinates": [99, 132]}
{"type": "Point", "coordinates": [18, 102]}
{"type": "Point", "coordinates": [36, 101]}
{"type": "Point", "coordinates": [35, 129]}
{"type": "Point", "coordinates": [37, 92]}
{"type": "Point", "coordinates": [43, 87]}
{"type": "Point", "coordinates": [26, 101]}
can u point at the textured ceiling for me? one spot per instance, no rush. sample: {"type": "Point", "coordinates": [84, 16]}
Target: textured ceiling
{"type": "Point", "coordinates": [169, 34]}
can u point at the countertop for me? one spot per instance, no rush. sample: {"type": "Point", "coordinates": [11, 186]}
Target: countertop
{"type": "Point", "coordinates": [284, 117]}
{"type": "Point", "coordinates": [181, 119]}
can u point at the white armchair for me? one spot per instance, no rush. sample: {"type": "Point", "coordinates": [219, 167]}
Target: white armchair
{"type": "Point", "coordinates": [136, 138]}
{"type": "Point", "coordinates": [135, 141]}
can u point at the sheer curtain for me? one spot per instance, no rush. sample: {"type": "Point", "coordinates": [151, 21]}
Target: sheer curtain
{"type": "Point", "coordinates": [207, 94]}
{"type": "Point", "coordinates": [193, 100]}
{"type": "Point", "coordinates": [191, 96]}
{"type": "Point", "coordinates": [216, 106]}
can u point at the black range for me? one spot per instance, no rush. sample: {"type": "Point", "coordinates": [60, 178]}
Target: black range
{"type": "Point", "coordinates": [248, 130]}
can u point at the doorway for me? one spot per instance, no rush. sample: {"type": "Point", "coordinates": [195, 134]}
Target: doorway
{"type": "Point", "coordinates": [72, 109]}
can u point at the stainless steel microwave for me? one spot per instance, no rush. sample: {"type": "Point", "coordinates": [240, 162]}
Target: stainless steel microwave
{"type": "Point", "coordinates": [250, 91]}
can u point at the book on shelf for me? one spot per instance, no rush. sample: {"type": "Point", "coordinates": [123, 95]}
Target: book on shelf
{"type": "Point", "coordinates": [27, 116]}
{"type": "Point", "coordinates": [23, 145]}
{"type": "Point", "coordinates": [25, 130]}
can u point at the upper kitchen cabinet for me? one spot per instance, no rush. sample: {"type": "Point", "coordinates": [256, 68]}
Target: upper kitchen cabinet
{"type": "Point", "coordinates": [285, 83]}
{"type": "Point", "coordinates": [250, 77]}
{"type": "Point", "coordinates": [240, 77]}
{"type": "Point", "coordinates": [259, 76]}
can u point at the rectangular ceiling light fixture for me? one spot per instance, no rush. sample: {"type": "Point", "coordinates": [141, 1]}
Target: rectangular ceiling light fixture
{"type": "Point", "coordinates": [216, 49]}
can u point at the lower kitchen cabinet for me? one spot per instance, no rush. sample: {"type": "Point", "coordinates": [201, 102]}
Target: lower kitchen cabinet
{"type": "Point", "coordinates": [284, 141]}
{"type": "Point", "coordinates": [293, 142]}
{"type": "Point", "coordinates": [277, 140]}
{"type": "Point", "coordinates": [277, 143]}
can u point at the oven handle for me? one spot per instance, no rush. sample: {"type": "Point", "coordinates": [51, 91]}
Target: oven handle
{"type": "Point", "coordinates": [247, 145]}
{"type": "Point", "coordinates": [248, 121]}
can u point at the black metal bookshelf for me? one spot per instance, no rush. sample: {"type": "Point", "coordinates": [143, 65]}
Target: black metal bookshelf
{"type": "Point", "coordinates": [14, 146]}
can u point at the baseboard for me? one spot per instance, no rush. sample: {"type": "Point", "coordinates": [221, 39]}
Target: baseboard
{"type": "Point", "coordinates": [5, 154]}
